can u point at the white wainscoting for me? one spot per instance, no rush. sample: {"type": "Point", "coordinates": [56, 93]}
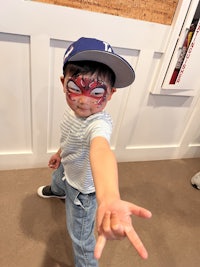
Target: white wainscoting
{"type": "Point", "coordinates": [33, 39]}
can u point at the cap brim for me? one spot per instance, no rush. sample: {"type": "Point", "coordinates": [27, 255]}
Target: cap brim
{"type": "Point", "coordinates": [124, 73]}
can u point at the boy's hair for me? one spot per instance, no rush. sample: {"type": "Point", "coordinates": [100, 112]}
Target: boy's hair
{"type": "Point", "coordinates": [74, 68]}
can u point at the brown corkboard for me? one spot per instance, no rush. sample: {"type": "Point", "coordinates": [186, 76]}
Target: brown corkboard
{"type": "Point", "coordinates": [159, 11]}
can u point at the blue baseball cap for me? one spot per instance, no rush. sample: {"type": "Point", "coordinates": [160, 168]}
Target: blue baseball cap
{"type": "Point", "coordinates": [96, 50]}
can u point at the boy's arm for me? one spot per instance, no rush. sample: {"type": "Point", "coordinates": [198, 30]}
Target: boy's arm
{"type": "Point", "coordinates": [104, 170]}
{"type": "Point", "coordinates": [113, 214]}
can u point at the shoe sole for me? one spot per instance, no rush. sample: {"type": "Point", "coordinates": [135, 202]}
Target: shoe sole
{"type": "Point", "coordinates": [195, 186]}
{"type": "Point", "coordinates": [40, 194]}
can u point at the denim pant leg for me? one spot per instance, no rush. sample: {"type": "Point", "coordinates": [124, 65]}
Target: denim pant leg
{"type": "Point", "coordinates": [57, 183]}
{"type": "Point", "coordinates": [80, 212]}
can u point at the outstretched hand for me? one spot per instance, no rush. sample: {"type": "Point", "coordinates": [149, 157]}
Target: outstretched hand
{"type": "Point", "coordinates": [114, 222]}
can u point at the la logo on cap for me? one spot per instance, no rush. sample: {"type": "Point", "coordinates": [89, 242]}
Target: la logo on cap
{"type": "Point", "coordinates": [107, 47]}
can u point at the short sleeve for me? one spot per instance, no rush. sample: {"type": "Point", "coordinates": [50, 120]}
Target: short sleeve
{"type": "Point", "coordinates": [101, 126]}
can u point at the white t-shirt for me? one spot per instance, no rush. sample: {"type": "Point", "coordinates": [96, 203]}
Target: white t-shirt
{"type": "Point", "coordinates": [76, 135]}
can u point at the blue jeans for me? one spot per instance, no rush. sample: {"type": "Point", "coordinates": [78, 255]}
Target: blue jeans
{"type": "Point", "coordinates": [80, 215]}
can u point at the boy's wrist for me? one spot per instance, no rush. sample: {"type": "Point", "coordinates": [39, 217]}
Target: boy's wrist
{"type": "Point", "coordinates": [58, 152]}
{"type": "Point", "coordinates": [108, 199]}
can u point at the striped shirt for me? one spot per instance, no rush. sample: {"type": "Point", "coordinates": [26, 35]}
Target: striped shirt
{"type": "Point", "coordinates": [76, 135]}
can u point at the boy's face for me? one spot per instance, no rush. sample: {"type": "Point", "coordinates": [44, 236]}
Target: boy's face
{"type": "Point", "coordinates": [85, 94]}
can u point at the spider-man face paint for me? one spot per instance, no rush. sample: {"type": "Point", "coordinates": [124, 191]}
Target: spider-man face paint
{"type": "Point", "coordinates": [79, 85]}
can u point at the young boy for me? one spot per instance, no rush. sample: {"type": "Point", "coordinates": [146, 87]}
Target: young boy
{"type": "Point", "coordinates": [86, 170]}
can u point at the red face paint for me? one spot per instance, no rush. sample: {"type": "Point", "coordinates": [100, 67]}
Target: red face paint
{"type": "Point", "coordinates": [79, 85]}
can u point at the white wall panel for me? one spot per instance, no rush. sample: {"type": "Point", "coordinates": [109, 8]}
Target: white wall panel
{"type": "Point", "coordinates": [146, 131]}
{"type": "Point", "coordinates": [33, 39]}
{"type": "Point", "coordinates": [15, 100]}
{"type": "Point", "coordinates": [117, 105]}
{"type": "Point", "coordinates": [56, 97]}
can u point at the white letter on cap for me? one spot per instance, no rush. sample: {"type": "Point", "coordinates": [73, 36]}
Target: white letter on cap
{"type": "Point", "coordinates": [107, 47]}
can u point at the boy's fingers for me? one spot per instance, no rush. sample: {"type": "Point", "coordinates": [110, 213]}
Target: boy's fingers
{"type": "Point", "coordinates": [100, 244]}
{"type": "Point", "coordinates": [136, 242]}
{"type": "Point", "coordinates": [111, 226]}
{"type": "Point", "coordinates": [116, 226]}
{"type": "Point", "coordinates": [139, 211]}
{"type": "Point", "coordinates": [99, 218]}
{"type": "Point", "coordinates": [106, 222]}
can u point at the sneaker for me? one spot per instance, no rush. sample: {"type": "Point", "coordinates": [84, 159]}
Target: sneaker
{"type": "Point", "coordinates": [45, 192]}
{"type": "Point", "coordinates": [195, 180]}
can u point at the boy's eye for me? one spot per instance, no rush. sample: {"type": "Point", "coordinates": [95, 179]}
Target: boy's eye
{"type": "Point", "coordinates": [73, 88]}
{"type": "Point", "coordinates": [98, 92]}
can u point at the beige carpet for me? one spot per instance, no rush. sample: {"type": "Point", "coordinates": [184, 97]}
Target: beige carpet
{"type": "Point", "coordinates": [33, 232]}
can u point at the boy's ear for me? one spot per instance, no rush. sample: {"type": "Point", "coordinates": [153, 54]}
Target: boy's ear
{"type": "Point", "coordinates": [112, 91]}
{"type": "Point", "coordinates": [62, 79]}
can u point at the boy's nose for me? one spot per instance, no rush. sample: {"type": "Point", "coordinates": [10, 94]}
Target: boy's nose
{"type": "Point", "coordinates": [84, 99]}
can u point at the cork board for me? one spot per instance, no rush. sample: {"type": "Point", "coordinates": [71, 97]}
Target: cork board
{"type": "Point", "coordinates": [159, 11]}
